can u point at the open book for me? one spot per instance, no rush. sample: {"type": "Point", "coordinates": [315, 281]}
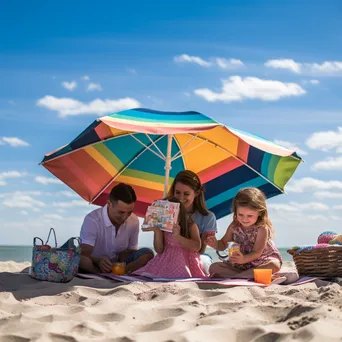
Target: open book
{"type": "Point", "coordinates": [162, 214]}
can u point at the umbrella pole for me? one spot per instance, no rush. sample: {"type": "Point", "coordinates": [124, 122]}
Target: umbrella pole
{"type": "Point", "coordinates": [167, 164]}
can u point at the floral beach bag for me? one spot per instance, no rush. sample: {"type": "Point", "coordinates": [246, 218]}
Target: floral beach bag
{"type": "Point", "coordinates": [59, 265]}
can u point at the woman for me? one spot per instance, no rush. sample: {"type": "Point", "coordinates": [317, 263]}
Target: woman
{"type": "Point", "coordinates": [188, 189]}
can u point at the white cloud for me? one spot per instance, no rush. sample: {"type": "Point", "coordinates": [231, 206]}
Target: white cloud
{"type": "Point", "coordinates": [68, 106]}
{"type": "Point", "coordinates": [313, 82]}
{"type": "Point", "coordinates": [73, 203]}
{"type": "Point", "coordinates": [69, 85]}
{"type": "Point", "coordinates": [308, 183]}
{"type": "Point", "coordinates": [331, 164]}
{"type": "Point", "coordinates": [319, 217]}
{"type": "Point", "coordinates": [13, 141]}
{"type": "Point", "coordinates": [290, 146]}
{"type": "Point", "coordinates": [325, 68]}
{"type": "Point", "coordinates": [23, 212]}
{"type": "Point", "coordinates": [297, 207]}
{"type": "Point", "coordinates": [85, 78]}
{"type": "Point", "coordinates": [191, 59]}
{"type": "Point", "coordinates": [53, 216]}
{"type": "Point", "coordinates": [337, 207]}
{"type": "Point", "coordinates": [223, 63]}
{"type": "Point", "coordinates": [94, 87]}
{"type": "Point", "coordinates": [282, 207]}
{"type": "Point", "coordinates": [327, 194]}
{"type": "Point", "coordinates": [326, 140]}
{"type": "Point", "coordinates": [47, 180]}
{"type": "Point", "coordinates": [10, 174]}
{"type": "Point", "coordinates": [227, 64]}
{"type": "Point", "coordinates": [22, 201]}
{"type": "Point", "coordinates": [131, 71]}
{"type": "Point", "coordinates": [20, 193]}
{"type": "Point", "coordinates": [68, 193]}
{"type": "Point", "coordinates": [289, 64]}
{"type": "Point", "coordinates": [238, 89]}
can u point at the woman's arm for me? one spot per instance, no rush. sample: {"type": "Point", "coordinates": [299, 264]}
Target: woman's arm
{"type": "Point", "coordinates": [210, 226]}
{"type": "Point", "coordinates": [193, 243]}
{"type": "Point", "coordinates": [258, 248]}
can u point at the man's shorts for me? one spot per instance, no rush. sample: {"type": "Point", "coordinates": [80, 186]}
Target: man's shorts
{"type": "Point", "coordinates": [137, 254]}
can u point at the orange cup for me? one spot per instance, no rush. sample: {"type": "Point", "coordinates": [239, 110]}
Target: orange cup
{"type": "Point", "coordinates": [119, 268]}
{"type": "Point", "coordinates": [263, 276]}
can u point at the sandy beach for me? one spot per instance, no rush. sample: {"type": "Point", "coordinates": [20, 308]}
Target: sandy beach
{"type": "Point", "coordinates": [102, 310]}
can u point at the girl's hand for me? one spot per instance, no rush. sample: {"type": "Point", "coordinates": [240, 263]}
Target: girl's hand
{"type": "Point", "coordinates": [237, 258]}
{"type": "Point", "coordinates": [151, 229]}
{"type": "Point", "coordinates": [176, 230]}
{"type": "Point", "coordinates": [211, 241]}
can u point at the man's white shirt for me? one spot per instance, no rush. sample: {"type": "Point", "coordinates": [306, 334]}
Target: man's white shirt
{"type": "Point", "coordinates": [98, 231]}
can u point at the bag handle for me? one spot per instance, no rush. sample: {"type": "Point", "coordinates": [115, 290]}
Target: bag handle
{"type": "Point", "coordinates": [34, 241]}
{"type": "Point", "coordinates": [224, 256]}
{"type": "Point", "coordinates": [54, 233]}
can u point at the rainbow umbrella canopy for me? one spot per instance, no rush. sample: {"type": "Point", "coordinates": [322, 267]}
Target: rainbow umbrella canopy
{"type": "Point", "coordinates": [147, 148]}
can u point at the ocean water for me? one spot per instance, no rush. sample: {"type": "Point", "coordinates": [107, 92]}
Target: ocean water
{"type": "Point", "coordinates": [24, 253]}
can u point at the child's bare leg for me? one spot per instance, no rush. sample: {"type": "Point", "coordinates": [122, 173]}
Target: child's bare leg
{"type": "Point", "coordinates": [274, 265]}
{"type": "Point", "coordinates": [222, 270]}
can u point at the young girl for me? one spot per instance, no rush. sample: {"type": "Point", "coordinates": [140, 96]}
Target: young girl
{"type": "Point", "coordinates": [188, 189]}
{"type": "Point", "coordinates": [253, 231]}
{"type": "Point", "coordinates": [177, 252]}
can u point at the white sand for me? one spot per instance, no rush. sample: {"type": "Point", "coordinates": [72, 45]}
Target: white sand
{"type": "Point", "coordinates": [101, 310]}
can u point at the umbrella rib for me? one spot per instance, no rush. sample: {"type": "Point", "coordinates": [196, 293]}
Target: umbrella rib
{"type": "Point", "coordinates": [155, 145]}
{"type": "Point", "coordinates": [181, 156]}
{"type": "Point", "coordinates": [126, 166]}
{"type": "Point", "coordinates": [179, 153]}
{"type": "Point", "coordinates": [148, 146]}
{"type": "Point", "coordinates": [237, 158]}
{"type": "Point", "coordinates": [191, 149]}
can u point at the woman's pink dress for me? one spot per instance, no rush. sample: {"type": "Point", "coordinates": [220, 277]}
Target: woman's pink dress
{"type": "Point", "coordinates": [175, 262]}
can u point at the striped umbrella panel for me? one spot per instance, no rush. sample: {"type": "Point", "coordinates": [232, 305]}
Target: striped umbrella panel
{"type": "Point", "coordinates": [131, 146]}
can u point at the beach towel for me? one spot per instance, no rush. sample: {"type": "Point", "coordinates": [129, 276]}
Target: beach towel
{"type": "Point", "coordinates": [210, 281]}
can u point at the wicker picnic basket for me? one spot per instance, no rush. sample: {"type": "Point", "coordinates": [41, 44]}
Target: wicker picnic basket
{"type": "Point", "coordinates": [318, 262]}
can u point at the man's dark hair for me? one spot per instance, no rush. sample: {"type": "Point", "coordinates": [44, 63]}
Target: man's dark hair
{"type": "Point", "coordinates": [123, 192]}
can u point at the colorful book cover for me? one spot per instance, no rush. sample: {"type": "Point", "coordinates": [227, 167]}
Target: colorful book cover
{"type": "Point", "coordinates": [162, 214]}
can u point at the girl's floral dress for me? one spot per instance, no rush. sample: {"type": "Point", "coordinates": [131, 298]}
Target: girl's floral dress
{"type": "Point", "coordinates": [246, 239]}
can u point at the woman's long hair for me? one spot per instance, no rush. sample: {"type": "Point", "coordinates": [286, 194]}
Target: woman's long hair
{"type": "Point", "coordinates": [184, 221]}
{"type": "Point", "coordinates": [254, 199]}
{"type": "Point", "coordinates": [191, 179]}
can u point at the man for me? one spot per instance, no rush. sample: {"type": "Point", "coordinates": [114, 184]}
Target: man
{"type": "Point", "coordinates": [111, 233]}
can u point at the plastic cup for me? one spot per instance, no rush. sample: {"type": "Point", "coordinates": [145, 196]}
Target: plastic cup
{"type": "Point", "coordinates": [263, 276]}
{"type": "Point", "coordinates": [235, 247]}
{"type": "Point", "coordinates": [119, 268]}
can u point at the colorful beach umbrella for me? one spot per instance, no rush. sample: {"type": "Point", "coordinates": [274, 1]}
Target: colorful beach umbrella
{"type": "Point", "coordinates": [147, 148]}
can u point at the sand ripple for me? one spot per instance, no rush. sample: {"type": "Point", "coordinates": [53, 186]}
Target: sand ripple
{"type": "Point", "coordinates": [95, 310]}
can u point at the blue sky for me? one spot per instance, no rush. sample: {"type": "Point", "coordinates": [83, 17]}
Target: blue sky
{"type": "Point", "coordinates": [271, 68]}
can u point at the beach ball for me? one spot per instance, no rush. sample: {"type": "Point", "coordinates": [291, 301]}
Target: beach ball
{"type": "Point", "coordinates": [337, 240]}
{"type": "Point", "coordinates": [325, 237]}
